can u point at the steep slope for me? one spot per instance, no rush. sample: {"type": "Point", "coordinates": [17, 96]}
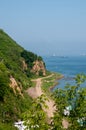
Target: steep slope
{"type": "Point", "coordinates": [16, 69]}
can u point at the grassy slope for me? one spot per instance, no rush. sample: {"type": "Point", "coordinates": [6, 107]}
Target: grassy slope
{"type": "Point", "coordinates": [49, 83]}
{"type": "Point", "coordinates": [11, 105]}
{"type": "Point", "coordinates": [10, 56]}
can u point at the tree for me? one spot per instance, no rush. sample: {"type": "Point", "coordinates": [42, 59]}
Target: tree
{"type": "Point", "coordinates": [72, 98]}
{"type": "Point", "coordinates": [35, 118]}
{"type": "Point", "coordinates": [4, 85]}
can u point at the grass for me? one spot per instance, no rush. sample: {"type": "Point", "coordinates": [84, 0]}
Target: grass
{"type": "Point", "coordinates": [50, 82]}
{"type": "Point", "coordinates": [8, 126]}
{"type": "Point", "coordinates": [33, 84]}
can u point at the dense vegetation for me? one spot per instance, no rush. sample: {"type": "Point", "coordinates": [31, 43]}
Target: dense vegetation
{"type": "Point", "coordinates": [11, 57]}
{"type": "Point", "coordinates": [30, 58]}
{"type": "Point", "coordinates": [72, 99]}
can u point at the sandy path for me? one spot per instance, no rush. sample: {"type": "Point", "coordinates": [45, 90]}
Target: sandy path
{"type": "Point", "coordinates": [36, 91]}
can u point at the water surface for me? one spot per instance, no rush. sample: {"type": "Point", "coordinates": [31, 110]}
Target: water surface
{"type": "Point", "coordinates": [68, 66]}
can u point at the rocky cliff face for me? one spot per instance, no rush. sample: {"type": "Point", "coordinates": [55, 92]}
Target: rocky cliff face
{"type": "Point", "coordinates": [39, 68]}
{"type": "Point", "coordinates": [15, 86]}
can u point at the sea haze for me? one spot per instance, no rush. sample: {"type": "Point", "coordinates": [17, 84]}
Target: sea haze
{"type": "Point", "coordinates": [68, 66]}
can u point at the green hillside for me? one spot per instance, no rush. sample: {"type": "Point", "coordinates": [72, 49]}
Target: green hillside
{"type": "Point", "coordinates": [15, 67]}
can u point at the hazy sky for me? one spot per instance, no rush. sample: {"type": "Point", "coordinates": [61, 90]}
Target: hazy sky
{"type": "Point", "coordinates": [46, 26]}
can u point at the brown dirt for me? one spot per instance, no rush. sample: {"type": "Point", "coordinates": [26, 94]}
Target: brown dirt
{"type": "Point", "coordinates": [65, 123]}
{"type": "Point", "coordinates": [36, 91]}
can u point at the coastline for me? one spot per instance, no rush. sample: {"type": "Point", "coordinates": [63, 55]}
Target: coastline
{"type": "Point", "coordinates": [56, 82]}
{"type": "Point", "coordinates": [48, 84]}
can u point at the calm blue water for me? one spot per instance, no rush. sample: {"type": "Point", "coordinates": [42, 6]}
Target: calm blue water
{"type": "Point", "coordinates": [68, 66]}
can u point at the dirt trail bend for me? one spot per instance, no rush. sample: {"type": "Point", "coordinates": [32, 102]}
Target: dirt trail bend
{"type": "Point", "coordinates": [36, 91]}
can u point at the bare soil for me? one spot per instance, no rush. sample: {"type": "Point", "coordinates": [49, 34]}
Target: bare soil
{"type": "Point", "coordinates": [36, 91]}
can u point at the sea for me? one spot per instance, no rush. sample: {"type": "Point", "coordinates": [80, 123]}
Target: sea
{"type": "Point", "coordinates": [69, 66]}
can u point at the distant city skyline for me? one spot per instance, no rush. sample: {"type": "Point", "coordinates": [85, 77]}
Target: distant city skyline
{"type": "Point", "coordinates": [46, 27]}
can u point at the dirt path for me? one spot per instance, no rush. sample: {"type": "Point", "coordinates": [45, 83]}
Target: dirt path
{"type": "Point", "coordinates": [36, 91]}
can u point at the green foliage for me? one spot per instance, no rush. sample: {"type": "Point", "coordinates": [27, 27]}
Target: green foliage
{"type": "Point", "coordinates": [56, 123]}
{"type": "Point", "coordinates": [39, 58]}
{"type": "Point", "coordinates": [10, 56]}
{"type": "Point", "coordinates": [4, 126]}
{"type": "Point", "coordinates": [35, 118]}
{"type": "Point", "coordinates": [40, 73]}
{"type": "Point", "coordinates": [12, 105]}
{"type": "Point", "coordinates": [30, 57]}
{"type": "Point", "coordinates": [11, 64]}
{"type": "Point", "coordinates": [4, 86]}
{"type": "Point", "coordinates": [73, 96]}
{"type": "Point", "coordinates": [50, 82]}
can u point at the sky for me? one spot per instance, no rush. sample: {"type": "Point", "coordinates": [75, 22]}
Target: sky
{"type": "Point", "coordinates": [46, 27]}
